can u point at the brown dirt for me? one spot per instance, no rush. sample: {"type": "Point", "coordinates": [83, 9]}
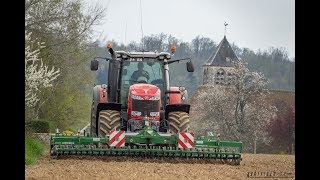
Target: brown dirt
{"type": "Point", "coordinates": [124, 168]}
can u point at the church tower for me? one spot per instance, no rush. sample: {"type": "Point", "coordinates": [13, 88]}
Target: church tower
{"type": "Point", "coordinates": [218, 70]}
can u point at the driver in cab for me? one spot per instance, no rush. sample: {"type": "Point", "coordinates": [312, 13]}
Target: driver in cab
{"type": "Point", "coordinates": [140, 75]}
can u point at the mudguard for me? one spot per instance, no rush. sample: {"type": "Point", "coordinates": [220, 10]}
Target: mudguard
{"type": "Point", "coordinates": [178, 95]}
{"type": "Point", "coordinates": [99, 96]}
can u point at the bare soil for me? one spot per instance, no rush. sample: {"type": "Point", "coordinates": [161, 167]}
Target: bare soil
{"type": "Point", "coordinates": [253, 166]}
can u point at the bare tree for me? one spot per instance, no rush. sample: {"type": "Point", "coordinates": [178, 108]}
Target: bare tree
{"type": "Point", "coordinates": [281, 128]}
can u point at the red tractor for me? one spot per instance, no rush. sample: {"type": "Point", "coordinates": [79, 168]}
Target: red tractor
{"type": "Point", "coordinates": [138, 114]}
{"type": "Point", "coordinates": [138, 89]}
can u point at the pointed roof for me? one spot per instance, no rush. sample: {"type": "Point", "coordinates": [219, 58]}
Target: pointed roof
{"type": "Point", "coordinates": [223, 56]}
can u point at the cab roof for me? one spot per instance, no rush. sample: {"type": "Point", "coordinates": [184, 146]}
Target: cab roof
{"type": "Point", "coordinates": [148, 54]}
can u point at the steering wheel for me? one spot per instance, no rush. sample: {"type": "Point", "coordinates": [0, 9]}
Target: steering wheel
{"type": "Point", "coordinates": [142, 79]}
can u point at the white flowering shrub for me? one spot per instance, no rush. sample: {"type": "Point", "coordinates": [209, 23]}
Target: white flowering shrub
{"type": "Point", "coordinates": [37, 74]}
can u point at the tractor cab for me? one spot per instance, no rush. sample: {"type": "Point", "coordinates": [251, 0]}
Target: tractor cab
{"type": "Point", "coordinates": [137, 71]}
{"type": "Point", "coordinates": [142, 86]}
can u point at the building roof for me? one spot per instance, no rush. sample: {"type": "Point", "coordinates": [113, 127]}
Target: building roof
{"type": "Point", "coordinates": [223, 56]}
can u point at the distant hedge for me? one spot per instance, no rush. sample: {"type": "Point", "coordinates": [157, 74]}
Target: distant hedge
{"type": "Point", "coordinates": [38, 126]}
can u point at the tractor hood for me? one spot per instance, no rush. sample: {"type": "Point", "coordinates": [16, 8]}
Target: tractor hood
{"type": "Point", "coordinates": [144, 90]}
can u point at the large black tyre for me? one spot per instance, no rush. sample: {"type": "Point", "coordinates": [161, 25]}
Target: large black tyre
{"type": "Point", "coordinates": [108, 120]}
{"type": "Point", "coordinates": [178, 121]}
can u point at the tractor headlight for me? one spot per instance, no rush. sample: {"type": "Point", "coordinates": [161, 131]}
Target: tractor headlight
{"type": "Point", "coordinates": [136, 113]}
{"type": "Point", "coordinates": [154, 113]}
{"type": "Point", "coordinates": [161, 57]}
{"type": "Point", "coordinates": [154, 98]}
{"type": "Point", "coordinates": [136, 97]}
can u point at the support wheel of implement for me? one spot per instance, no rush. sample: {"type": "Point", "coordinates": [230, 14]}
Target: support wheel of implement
{"type": "Point", "coordinates": [178, 121]}
{"type": "Point", "coordinates": [108, 120]}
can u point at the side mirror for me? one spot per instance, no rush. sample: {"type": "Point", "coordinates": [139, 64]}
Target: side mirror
{"type": "Point", "coordinates": [94, 65]}
{"type": "Point", "coordinates": [124, 71]}
{"type": "Point", "coordinates": [190, 67]}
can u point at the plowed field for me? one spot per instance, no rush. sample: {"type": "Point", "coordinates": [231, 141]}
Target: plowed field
{"type": "Point", "coordinates": [258, 166]}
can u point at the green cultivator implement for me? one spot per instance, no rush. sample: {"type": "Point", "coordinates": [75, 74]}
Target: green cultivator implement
{"type": "Point", "coordinates": [148, 143]}
{"type": "Point", "coordinates": [138, 113]}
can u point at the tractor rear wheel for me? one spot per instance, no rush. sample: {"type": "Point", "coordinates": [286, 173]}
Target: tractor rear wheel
{"type": "Point", "coordinates": [93, 129]}
{"type": "Point", "coordinates": [108, 120]}
{"type": "Point", "coordinates": [178, 121]}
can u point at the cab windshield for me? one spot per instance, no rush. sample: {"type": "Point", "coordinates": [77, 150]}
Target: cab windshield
{"type": "Point", "coordinates": [133, 72]}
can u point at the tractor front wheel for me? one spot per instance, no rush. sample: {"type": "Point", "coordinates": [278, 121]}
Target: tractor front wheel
{"type": "Point", "coordinates": [178, 121]}
{"type": "Point", "coordinates": [108, 120]}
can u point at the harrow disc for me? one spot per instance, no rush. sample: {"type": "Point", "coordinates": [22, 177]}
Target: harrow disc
{"type": "Point", "coordinates": [154, 152]}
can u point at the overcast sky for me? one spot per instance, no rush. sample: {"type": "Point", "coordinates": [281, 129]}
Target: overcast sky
{"type": "Point", "coordinates": [255, 24]}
